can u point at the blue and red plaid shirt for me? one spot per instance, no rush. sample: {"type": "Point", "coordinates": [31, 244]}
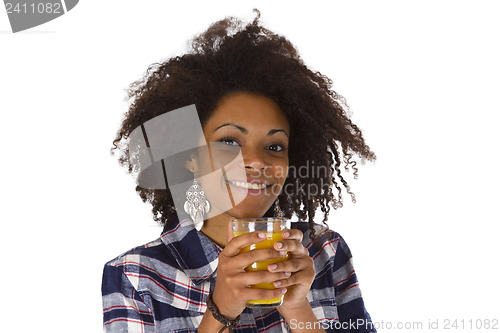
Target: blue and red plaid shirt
{"type": "Point", "coordinates": [162, 286]}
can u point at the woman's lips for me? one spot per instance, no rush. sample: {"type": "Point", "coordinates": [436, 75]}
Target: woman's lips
{"type": "Point", "coordinates": [249, 187]}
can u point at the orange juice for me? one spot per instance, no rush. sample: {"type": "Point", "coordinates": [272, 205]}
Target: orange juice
{"type": "Point", "coordinates": [272, 237]}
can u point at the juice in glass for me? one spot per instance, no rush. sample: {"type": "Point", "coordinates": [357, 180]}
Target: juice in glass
{"type": "Point", "coordinates": [273, 228]}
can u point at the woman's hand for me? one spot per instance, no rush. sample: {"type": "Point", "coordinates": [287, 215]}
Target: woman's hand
{"type": "Point", "coordinates": [232, 287]}
{"type": "Point", "coordinates": [300, 264]}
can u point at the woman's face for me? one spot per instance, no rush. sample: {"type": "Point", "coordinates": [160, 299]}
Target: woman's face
{"type": "Point", "coordinates": [255, 126]}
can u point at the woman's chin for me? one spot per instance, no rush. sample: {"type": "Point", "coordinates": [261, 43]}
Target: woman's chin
{"type": "Point", "coordinates": [247, 212]}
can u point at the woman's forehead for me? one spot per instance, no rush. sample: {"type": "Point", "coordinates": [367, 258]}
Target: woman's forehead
{"type": "Point", "coordinates": [248, 109]}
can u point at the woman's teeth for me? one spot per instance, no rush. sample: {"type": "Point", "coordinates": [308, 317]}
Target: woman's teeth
{"type": "Point", "coordinates": [251, 186]}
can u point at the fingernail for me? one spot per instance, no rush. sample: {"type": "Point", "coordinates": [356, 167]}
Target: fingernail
{"type": "Point", "coordinates": [277, 283]}
{"type": "Point", "coordinates": [278, 245]}
{"type": "Point", "coordinates": [286, 234]}
{"type": "Point", "coordinates": [273, 266]}
{"type": "Point", "coordinates": [288, 274]}
{"type": "Point", "coordinates": [283, 253]}
{"type": "Point", "coordinates": [261, 235]}
{"type": "Point", "coordinates": [283, 291]}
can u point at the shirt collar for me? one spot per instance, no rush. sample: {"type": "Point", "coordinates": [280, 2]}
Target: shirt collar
{"type": "Point", "coordinates": [196, 254]}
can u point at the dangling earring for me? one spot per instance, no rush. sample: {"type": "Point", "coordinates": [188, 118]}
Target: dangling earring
{"type": "Point", "coordinates": [196, 204]}
{"type": "Point", "coordinates": [277, 210]}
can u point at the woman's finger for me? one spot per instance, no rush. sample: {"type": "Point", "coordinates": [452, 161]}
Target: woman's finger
{"type": "Point", "coordinates": [301, 277]}
{"type": "Point", "coordinates": [234, 246]}
{"type": "Point", "coordinates": [248, 279]}
{"type": "Point", "coordinates": [248, 258]}
{"type": "Point", "coordinates": [243, 260]}
{"type": "Point", "coordinates": [292, 246]}
{"type": "Point", "coordinates": [292, 265]}
{"type": "Point", "coordinates": [292, 234]}
{"type": "Point", "coordinates": [257, 293]}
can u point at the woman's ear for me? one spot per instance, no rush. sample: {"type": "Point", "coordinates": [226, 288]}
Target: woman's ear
{"type": "Point", "coordinates": [191, 164]}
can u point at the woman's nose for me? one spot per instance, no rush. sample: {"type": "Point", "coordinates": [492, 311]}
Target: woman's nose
{"type": "Point", "coordinates": [254, 160]}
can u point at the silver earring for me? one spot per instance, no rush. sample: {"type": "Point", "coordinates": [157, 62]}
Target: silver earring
{"type": "Point", "coordinates": [196, 204]}
{"type": "Point", "coordinates": [277, 210]}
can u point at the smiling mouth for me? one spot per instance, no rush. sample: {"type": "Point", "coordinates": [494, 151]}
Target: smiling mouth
{"type": "Point", "coordinates": [248, 186]}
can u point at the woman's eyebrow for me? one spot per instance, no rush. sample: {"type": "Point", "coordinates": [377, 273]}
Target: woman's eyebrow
{"type": "Point", "coordinates": [242, 129]}
{"type": "Point", "coordinates": [273, 131]}
{"type": "Point", "coordinates": [245, 131]}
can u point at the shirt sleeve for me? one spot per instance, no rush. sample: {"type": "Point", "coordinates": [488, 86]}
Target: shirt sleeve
{"type": "Point", "coordinates": [124, 310]}
{"type": "Point", "coordinates": [353, 316]}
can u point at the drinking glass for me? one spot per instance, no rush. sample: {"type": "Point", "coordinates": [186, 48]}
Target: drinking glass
{"type": "Point", "coordinates": [273, 227]}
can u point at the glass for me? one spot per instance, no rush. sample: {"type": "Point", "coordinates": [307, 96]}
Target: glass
{"type": "Point", "coordinates": [273, 227]}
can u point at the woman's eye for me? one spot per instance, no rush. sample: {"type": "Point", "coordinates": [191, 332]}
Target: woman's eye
{"type": "Point", "coordinates": [277, 148]}
{"type": "Point", "coordinates": [229, 141]}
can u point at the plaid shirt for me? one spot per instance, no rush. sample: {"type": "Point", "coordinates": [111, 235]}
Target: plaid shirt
{"type": "Point", "coordinates": [162, 286]}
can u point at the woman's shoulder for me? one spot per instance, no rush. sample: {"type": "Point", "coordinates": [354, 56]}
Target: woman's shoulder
{"type": "Point", "coordinates": [144, 255]}
{"type": "Point", "coordinates": [324, 244]}
{"type": "Point", "coordinates": [153, 251]}
{"type": "Point", "coordinates": [320, 236]}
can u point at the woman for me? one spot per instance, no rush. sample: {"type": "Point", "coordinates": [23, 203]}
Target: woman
{"type": "Point", "coordinates": [257, 100]}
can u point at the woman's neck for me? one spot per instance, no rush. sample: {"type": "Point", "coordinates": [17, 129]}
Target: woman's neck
{"type": "Point", "coordinates": [216, 228]}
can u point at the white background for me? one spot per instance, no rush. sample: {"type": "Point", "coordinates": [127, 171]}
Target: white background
{"type": "Point", "coordinates": [422, 79]}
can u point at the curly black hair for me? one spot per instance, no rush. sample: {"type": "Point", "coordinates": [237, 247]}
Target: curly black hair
{"type": "Point", "coordinates": [233, 57]}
